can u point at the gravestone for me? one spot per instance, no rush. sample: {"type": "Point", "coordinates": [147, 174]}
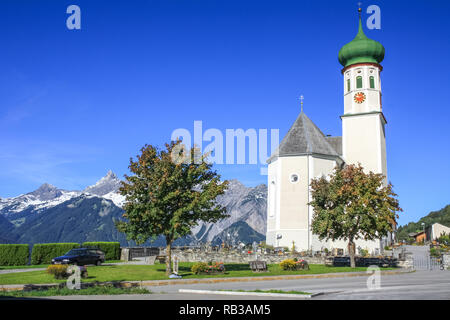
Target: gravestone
{"type": "Point", "coordinates": [255, 250]}
{"type": "Point", "coordinates": [175, 265]}
{"type": "Point", "coordinates": [125, 254]}
{"type": "Point", "coordinates": [150, 260]}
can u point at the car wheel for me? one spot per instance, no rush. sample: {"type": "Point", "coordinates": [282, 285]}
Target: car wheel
{"type": "Point", "coordinates": [99, 262]}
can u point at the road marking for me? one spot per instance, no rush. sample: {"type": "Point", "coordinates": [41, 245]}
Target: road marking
{"type": "Point", "coordinates": [249, 293]}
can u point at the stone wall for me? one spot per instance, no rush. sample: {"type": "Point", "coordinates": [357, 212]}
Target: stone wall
{"type": "Point", "coordinates": [237, 257]}
{"type": "Point", "coordinates": [405, 260]}
{"type": "Point", "coordinates": [446, 258]}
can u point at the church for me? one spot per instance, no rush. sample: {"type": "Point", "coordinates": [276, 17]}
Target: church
{"type": "Point", "coordinates": [306, 153]}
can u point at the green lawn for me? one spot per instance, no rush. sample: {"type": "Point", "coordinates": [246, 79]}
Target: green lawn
{"type": "Point", "coordinates": [99, 290]}
{"type": "Point", "coordinates": [157, 272]}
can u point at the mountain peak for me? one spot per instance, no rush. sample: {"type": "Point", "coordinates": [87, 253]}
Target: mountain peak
{"type": "Point", "coordinates": [110, 175]}
{"type": "Point", "coordinates": [47, 186]}
{"type": "Point", "coordinates": [46, 192]}
{"type": "Point", "coordinates": [107, 184]}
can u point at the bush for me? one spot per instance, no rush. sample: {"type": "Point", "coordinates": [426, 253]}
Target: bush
{"type": "Point", "coordinates": [43, 253]}
{"type": "Point", "coordinates": [434, 252]}
{"type": "Point", "coordinates": [364, 252]}
{"type": "Point", "coordinates": [288, 264]}
{"type": "Point", "coordinates": [294, 264]}
{"type": "Point", "coordinates": [59, 271]}
{"type": "Point", "coordinates": [14, 254]}
{"type": "Point", "coordinates": [199, 267]}
{"type": "Point", "coordinates": [111, 249]}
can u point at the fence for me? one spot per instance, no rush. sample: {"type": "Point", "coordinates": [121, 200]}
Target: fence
{"type": "Point", "coordinates": [427, 263]}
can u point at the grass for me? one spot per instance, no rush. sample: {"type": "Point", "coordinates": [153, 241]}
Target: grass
{"type": "Point", "coordinates": [157, 272]}
{"type": "Point", "coordinates": [99, 290]}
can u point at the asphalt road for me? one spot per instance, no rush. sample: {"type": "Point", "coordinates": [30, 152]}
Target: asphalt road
{"type": "Point", "coordinates": [419, 285]}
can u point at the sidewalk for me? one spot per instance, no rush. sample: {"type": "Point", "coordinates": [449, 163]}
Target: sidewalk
{"type": "Point", "coordinates": [147, 283]}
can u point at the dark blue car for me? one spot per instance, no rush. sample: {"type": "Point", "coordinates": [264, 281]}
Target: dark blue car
{"type": "Point", "coordinates": [81, 257]}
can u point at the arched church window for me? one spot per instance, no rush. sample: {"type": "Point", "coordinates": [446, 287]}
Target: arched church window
{"type": "Point", "coordinates": [348, 85]}
{"type": "Point", "coordinates": [372, 82]}
{"type": "Point", "coordinates": [359, 82]}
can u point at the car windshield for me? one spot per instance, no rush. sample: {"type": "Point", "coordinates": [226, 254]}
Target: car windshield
{"type": "Point", "coordinates": [75, 252]}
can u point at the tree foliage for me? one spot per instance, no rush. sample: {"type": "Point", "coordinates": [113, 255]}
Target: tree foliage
{"type": "Point", "coordinates": [169, 192]}
{"type": "Point", "coordinates": [353, 205]}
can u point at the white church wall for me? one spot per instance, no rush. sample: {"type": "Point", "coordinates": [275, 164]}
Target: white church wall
{"type": "Point", "coordinates": [290, 220]}
{"type": "Point", "coordinates": [361, 141]}
{"type": "Point", "coordinates": [272, 199]}
{"type": "Point", "coordinates": [293, 195]}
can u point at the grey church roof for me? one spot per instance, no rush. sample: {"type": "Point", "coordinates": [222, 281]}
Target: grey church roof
{"type": "Point", "coordinates": [304, 138]}
{"type": "Point", "coordinates": [336, 143]}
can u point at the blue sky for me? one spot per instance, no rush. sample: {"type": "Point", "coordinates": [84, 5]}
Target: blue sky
{"type": "Point", "coordinates": [76, 103]}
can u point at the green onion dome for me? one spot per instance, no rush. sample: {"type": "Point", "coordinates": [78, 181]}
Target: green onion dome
{"type": "Point", "coordinates": [361, 50]}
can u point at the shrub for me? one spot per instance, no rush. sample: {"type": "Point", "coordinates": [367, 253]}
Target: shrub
{"type": "Point", "coordinates": [364, 252]}
{"type": "Point", "coordinates": [59, 271]}
{"type": "Point", "coordinates": [288, 264]}
{"type": "Point", "coordinates": [434, 252]}
{"type": "Point", "coordinates": [199, 267]}
{"type": "Point", "coordinates": [111, 249]}
{"type": "Point", "coordinates": [14, 254]}
{"type": "Point", "coordinates": [294, 264]}
{"type": "Point", "coordinates": [43, 253]}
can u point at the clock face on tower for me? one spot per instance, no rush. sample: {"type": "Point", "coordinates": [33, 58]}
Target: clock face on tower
{"type": "Point", "coordinates": [359, 97]}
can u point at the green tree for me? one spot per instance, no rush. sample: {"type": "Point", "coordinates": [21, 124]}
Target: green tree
{"type": "Point", "coordinates": [353, 205]}
{"type": "Point", "coordinates": [170, 192]}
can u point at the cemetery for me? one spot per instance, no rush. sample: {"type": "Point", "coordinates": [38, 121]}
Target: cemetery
{"type": "Point", "coordinates": [206, 261]}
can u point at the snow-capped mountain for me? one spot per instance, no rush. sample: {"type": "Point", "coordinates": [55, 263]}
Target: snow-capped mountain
{"type": "Point", "coordinates": [108, 188]}
{"type": "Point", "coordinates": [52, 214]}
{"type": "Point", "coordinates": [48, 196]}
{"type": "Point", "coordinates": [107, 184]}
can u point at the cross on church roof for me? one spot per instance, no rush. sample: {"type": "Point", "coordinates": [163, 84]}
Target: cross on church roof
{"type": "Point", "coordinates": [301, 102]}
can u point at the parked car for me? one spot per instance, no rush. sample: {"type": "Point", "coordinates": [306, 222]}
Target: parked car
{"type": "Point", "coordinates": [81, 257]}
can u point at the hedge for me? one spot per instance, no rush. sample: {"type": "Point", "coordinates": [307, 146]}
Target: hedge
{"type": "Point", "coordinates": [14, 254]}
{"type": "Point", "coordinates": [43, 253]}
{"type": "Point", "coordinates": [111, 249]}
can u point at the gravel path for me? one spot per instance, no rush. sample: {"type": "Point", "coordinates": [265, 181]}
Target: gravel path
{"type": "Point", "coordinates": [20, 270]}
{"type": "Point", "coordinates": [137, 262]}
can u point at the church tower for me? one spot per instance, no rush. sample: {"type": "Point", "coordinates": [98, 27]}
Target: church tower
{"type": "Point", "coordinates": [305, 153]}
{"type": "Point", "coordinates": [363, 122]}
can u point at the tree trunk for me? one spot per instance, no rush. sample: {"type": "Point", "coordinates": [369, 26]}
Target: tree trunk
{"type": "Point", "coordinates": [351, 252]}
{"type": "Point", "coordinates": [168, 257]}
